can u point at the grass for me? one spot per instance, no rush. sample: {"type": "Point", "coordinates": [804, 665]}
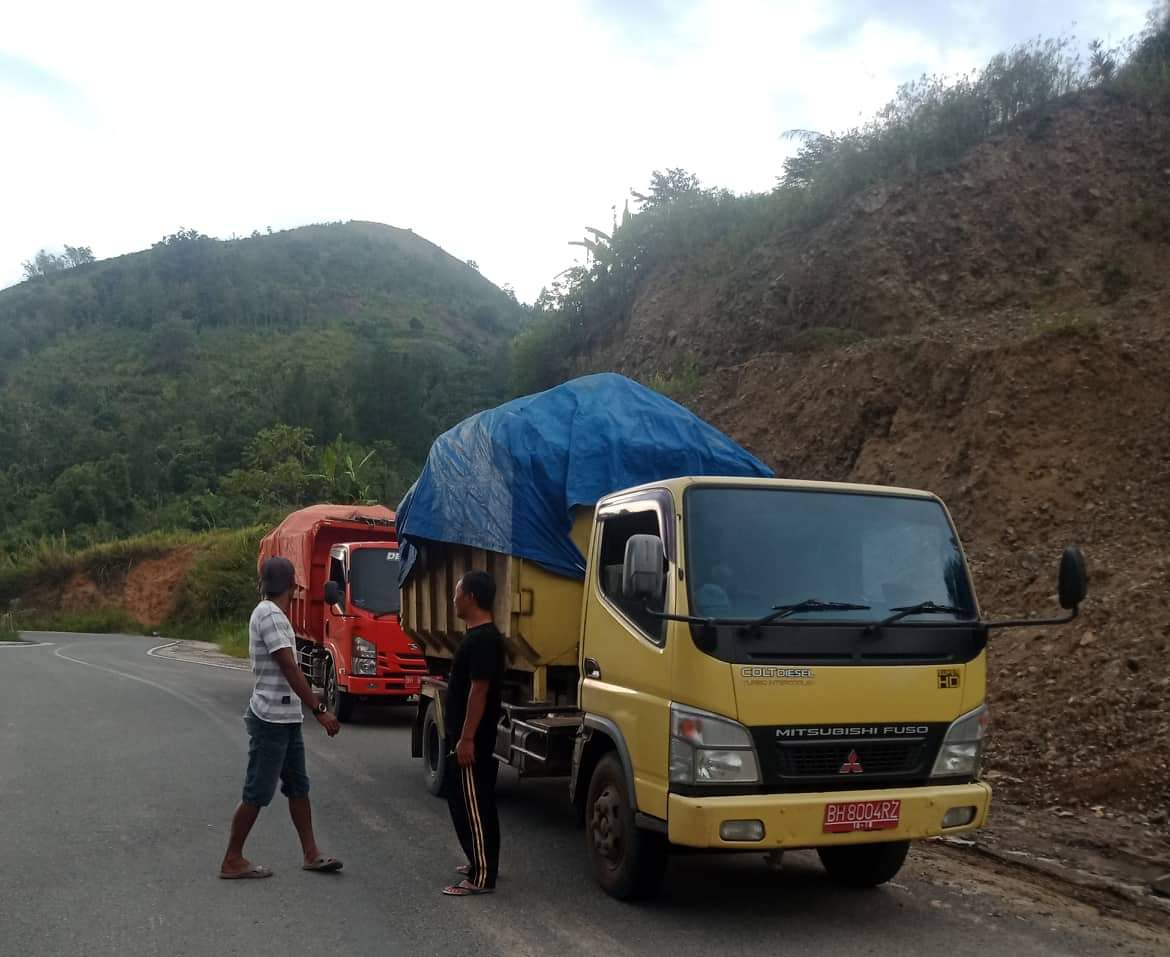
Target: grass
{"type": "Point", "coordinates": [214, 601]}
{"type": "Point", "coordinates": [8, 630]}
{"type": "Point", "coordinates": [221, 585]}
{"type": "Point", "coordinates": [51, 562]}
{"type": "Point", "coordinates": [99, 621]}
{"type": "Point", "coordinates": [231, 636]}
{"type": "Point", "coordinates": [678, 384]}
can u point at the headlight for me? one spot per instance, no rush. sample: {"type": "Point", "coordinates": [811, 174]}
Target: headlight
{"type": "Point", "coordinates": [365, 657]}
{"type": "Point", "coordinates": [962, 749]}
{"type": "Point", "coordinates": [705, 749]}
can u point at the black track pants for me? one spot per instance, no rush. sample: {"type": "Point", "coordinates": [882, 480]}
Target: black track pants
{"type": "Point", "coordinates": [471, 795]}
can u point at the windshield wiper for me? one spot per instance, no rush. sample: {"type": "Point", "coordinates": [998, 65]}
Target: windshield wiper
{"type": "Point", "coordinates": [921, 608]}
{"type": "Point", "coordinates": [810, 604]}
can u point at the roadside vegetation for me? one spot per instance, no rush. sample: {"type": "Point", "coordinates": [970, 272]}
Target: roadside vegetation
{"type": "Point", "coordinates": [929, 125]}
{"type": "Point", "coordinates": [207, 384]}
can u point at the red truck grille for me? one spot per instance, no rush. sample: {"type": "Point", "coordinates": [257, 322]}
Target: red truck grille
{"type": "Point", "coordinates": [391, 663]}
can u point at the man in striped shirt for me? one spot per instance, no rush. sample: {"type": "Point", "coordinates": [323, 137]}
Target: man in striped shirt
{"type": "Point", "coordinates": [276, 749]}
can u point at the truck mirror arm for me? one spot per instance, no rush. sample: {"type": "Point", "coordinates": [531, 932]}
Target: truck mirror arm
{"type": "Point", "coordinates": [685, 619]}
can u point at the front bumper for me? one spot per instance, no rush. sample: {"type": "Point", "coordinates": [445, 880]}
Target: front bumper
{"type": "Point", "coordinates": [402, 686]}
{"type": "Point", "coordinates": [797, 820]}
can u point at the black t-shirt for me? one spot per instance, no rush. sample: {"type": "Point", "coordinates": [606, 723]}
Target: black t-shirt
{"type": "Point", "coordinates": [480, 657]}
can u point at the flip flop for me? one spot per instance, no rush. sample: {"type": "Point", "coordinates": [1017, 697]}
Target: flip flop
{"type": "Point", "coordinates": [464, 889]}
{"type": "Point", "coordinates": [324, 865]}
{"type": "Point", "coordinates": [254, 872]}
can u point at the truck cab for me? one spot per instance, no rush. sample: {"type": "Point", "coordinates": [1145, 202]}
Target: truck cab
{"type": "Point", "coordinates": [770, 665]}
{"type": "Point", "coordinates": [370, 657]}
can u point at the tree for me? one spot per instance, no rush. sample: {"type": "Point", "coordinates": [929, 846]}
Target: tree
{"type": "Point", "coordinates": [78, 256]}
{"type": "Point", "coordinates": [172, 344]}
{"type": "Point", "coordinates": [45, 263]}
{"type": "Point", "coordinates": [345, 473]}
{"type": "Point", "coordinates": [667, 187]}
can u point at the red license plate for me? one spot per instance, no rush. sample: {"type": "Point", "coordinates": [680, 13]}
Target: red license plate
{"type": "Point", "coordinates": [862, 816]}
{"type": "Point", "coordinates": [412, 685]}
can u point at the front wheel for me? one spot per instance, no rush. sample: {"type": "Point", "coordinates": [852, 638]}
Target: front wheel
{"type": "Point", "coordinates": [336, 700]}
{"type": "Point", "coordinates": [628, 862]}
{"type": "Point", "coordinates": [864, 865]}
{"type": "Point", "coordinates": [433, 753]}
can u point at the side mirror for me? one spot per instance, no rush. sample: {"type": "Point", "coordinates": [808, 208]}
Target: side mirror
{"type": "Point", "coordinates": [643, 577]}
{"type": "Point", "coordinates": [333, 595]}
{"type": "Point", "coordinates": [1074, 578]}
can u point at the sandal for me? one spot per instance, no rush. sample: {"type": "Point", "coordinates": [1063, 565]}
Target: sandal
{"type": "Point", "coordinates": [324, 865]}
{"type": "Point", "coordinates": [465, 889]}
{"type": "Point", "coordinates": [252, 872]}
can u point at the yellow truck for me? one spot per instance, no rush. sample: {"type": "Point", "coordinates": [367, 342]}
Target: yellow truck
{"type": "Point", "coordinates": [745, 664]}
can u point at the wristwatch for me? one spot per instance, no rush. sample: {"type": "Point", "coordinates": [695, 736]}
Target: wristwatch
{"type": "Point", "coordinates": [320, 708]}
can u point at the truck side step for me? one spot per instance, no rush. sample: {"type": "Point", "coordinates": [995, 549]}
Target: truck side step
{"type": "Point", "coordinates": [538, 740]}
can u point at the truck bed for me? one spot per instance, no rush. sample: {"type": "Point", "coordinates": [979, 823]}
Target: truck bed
{"type": "Point", "coordinates": [538, 612]}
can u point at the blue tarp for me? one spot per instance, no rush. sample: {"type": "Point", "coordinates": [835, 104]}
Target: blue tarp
{"type": "Point", "coordinates": [508, 479]}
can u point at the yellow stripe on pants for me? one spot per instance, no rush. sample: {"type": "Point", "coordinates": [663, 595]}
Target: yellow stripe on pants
{"type": "Point", "coordinates": [472, 802]}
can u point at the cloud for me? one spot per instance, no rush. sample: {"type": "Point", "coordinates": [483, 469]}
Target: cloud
{"type": "Point", "coordinates": [496, 130]}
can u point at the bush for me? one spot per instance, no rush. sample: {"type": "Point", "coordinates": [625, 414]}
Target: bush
{"type": "Point", "coordinates": [678, 385]}
{"type": "Point", "coordinates": [930, 124]}
{"type": "Point", "coordinates": [221, 585]}
{"type": "Point", "coordinates": [231, 636]}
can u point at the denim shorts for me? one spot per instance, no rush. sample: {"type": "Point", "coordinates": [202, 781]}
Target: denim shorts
{"type": "Point", "coordinates": [276, 752]}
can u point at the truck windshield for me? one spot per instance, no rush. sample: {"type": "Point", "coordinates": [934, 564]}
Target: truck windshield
{"type": "Point", "coordinates": [373, 580]}
{"type": "Point", "coordinates": [752, 549]}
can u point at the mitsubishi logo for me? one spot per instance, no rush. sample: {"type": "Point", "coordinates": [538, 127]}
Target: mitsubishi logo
{"type": "Point", "coordinates": [852, 765]}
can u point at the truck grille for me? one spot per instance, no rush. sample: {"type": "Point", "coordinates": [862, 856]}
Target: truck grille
{"type": "Point", "coordinates": [827, 758]}
{"type": "Point", "coordinates": [873, 757]}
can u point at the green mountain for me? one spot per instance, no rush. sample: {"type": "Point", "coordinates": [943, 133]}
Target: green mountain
{"type": "Point", "coordinates": [201, 382]}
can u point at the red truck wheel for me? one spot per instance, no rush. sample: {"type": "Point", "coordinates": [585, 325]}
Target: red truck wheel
{"type": "Point", "coordinates": [336, 700]}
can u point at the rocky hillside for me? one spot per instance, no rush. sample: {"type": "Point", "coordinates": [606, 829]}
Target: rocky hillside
{"type": "Point", "coordinates": [998, 332]}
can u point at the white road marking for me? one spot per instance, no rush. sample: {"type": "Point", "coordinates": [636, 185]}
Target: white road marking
{"type": "Point", "coordinates": [25, 644]}
{"type": "Point", "coordinates": [158, 652]}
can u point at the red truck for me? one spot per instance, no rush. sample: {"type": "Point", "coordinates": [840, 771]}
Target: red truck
{"type": "Point", "coordinates": [345, 607]}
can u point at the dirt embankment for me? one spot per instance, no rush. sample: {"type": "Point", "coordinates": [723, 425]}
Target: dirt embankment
{"type": "Point", "coordinates": [146, 589]}
{"type": "Point", "coordinates": [1069, 213]}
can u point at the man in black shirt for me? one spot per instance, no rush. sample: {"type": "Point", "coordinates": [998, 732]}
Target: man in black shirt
{"type": "Point", "coordinates": [471, 714]}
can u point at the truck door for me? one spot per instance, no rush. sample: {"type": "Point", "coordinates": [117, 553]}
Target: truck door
{"type": "Point", "coordinates": [625, 673]}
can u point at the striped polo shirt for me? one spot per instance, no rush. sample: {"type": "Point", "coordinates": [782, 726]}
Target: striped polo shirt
{"type": "Point", "coordinates": [272, 699]}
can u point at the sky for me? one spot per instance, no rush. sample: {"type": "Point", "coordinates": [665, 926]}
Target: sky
{"type": "Point", "coordinates": [497, 130]}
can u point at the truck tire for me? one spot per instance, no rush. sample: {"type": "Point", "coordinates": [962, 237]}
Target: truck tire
{"type": "Point", "coordinates": [434, 758]}
{"type": "Point", "coordinates": [864, 865]}
{"type": "Point", "coordinates": [628, 862]}
{"type": "Point", "coordinates": [336, 700]}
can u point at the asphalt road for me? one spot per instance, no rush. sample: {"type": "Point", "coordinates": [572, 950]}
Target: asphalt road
{"type": "Point", "coordinates": [119, 771]}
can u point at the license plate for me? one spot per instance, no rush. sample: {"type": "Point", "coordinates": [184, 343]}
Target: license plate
{"type": "Point", "coordinates": [862, 816]}
{"type": "Point", "coordinates": [412, 685]}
